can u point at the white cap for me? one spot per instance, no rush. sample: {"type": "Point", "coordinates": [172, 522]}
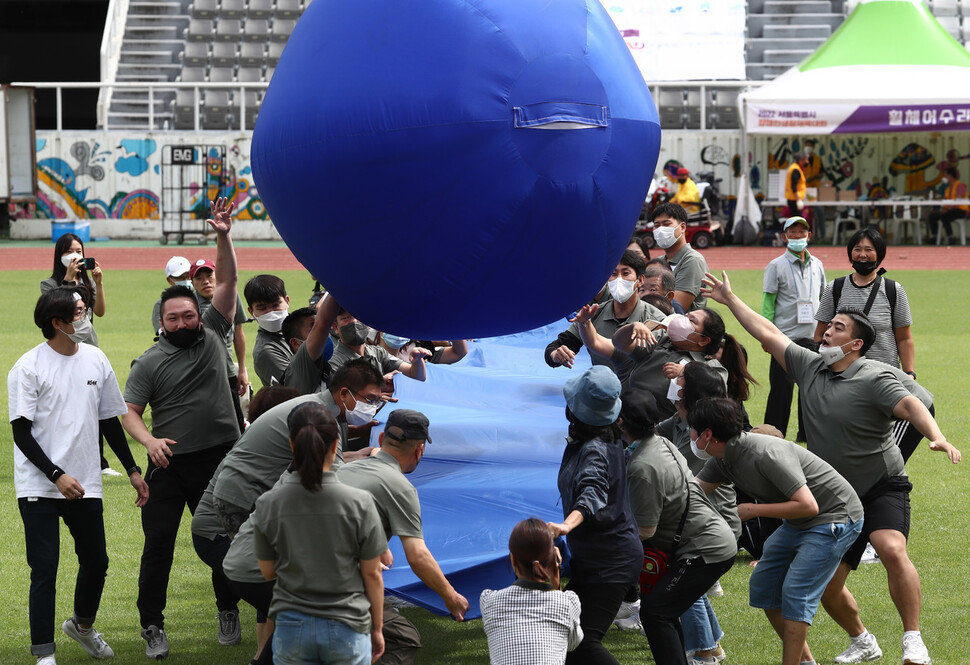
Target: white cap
{"type": "Point", "coordinates": [177, 265]}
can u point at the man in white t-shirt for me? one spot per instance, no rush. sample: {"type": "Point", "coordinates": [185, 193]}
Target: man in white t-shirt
{"type": "Point", "coordinates": [60, 393]}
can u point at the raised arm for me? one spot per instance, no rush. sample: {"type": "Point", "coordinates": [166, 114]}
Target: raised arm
{"type": "Point", "coordinates": [592, 340]}
{"type": "Point", "coordinates": [773, 340]}
{"type": "Point", "coordinates": [316, 340]}
{"type": "Point", "coordinates": [224, 298]}
{"type": "Point", "coordinates": [632, 336]}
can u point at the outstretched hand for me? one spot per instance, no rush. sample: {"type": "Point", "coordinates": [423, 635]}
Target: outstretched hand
{"type": "Point", "coordinates": [712, 287]}
{"type": "Point", "coordinates": [942, 445]}
{"type": "Point", "coordinates": [221, 220]}
{"type": "Point", "coordinates": [586, 314]}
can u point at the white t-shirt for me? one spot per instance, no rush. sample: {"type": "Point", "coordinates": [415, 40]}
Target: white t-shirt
{"type": "Point", "coordinates": [64, 397]}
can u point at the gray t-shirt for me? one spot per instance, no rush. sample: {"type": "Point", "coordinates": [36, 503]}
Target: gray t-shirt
{"type": "Point", "coordinates": [771, 470]}
{"type": "Point", "coordinates": [382, 361]}
{"type": "Point", "coordinates": [186, 389]}
{"type": "Point", "coordinates": [689, 268]}
{"type": "Point", "coordinates": [317, 541]}
{"type": "Point", "coordinates": [647, 371]}
{"type": "Point", "coordinates": [848, 417]}
{"type": "Point", "coordinates": [659, 482]}
{"type": "Point", "coordinates": [238, 318]}
{"type": "Point", "coordinates": [305, 374]}
{"type": "Point", "coordinates": [880, 316]}
{"type": "Point", "coordinates": [724, 498]}
{"type": "Point", "coordinates": [396, 498]}
{"type": "Point", "coordinates": [793, 281]}
{"type": "Point", "coordinates": [49, 285]}
{"type": "Point", "coordinates": [606, 324]}
{"type": "Point", "coordinates": [271, 355]}
{"type": "Point", "coordinates": [240, 564]}
{"type": "Point", "coordinates": [205, 523]}
{"type": "Point", "coordinates": [263, 452]}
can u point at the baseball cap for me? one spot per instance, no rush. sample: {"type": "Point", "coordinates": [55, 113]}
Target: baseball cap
{"type": "Point", "coordinates": [200, 264]}
{"type": "Point", "coordinates": [594, 396]}
{"type": "Point", "coordinates": [407, 424]}
{"type": "Point", "coordinates": [177, 265]}
{"type": "Point", "coordinates": [682, 172]}
{"type": "Point", "coordinates": [797, 220]}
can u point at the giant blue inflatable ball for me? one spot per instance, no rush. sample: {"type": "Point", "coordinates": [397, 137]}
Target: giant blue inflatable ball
{"type": "Point", "coordinates": [456, 168]}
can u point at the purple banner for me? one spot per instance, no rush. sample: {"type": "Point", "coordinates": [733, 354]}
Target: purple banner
{"type": "Point", "coordinates": [900, 118]}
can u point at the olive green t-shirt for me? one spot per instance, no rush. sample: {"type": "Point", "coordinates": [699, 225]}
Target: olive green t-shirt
{"type": "Point", "coordinates": [305, 374]}
{"type": "Point", "coordinates": [263, 452]}
{"type": "Point", "coordinates": [187, 389]}
{"type": "Point", "coordinates": [848, 417]}
{"type": "Point", "coordinates": [606, 324]}
{"type": "Point", "coordinates": [724, 498]}
{"type": "Point", "coordinates": [271, 355]}
{"type": "Point", "coordinates": [659, 481]}
{"type": "Point", "coordinates": [382, 361]}
{"type": "Point", "coordinates": [238, 318]}
{"type": "Point", "coordinates": [317, 541]}
{"type": "Point", "coordinates": [771, 470]}
{"type": "Point", "coordinates": [689, 267]}
{"type": "Point", "coordinates": [396, 498]}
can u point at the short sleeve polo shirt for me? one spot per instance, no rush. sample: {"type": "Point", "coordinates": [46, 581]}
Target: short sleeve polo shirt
{"type": "Point", "coordinates": [689, 268]}
{"type": "Point", "coordinates": [396, 498]}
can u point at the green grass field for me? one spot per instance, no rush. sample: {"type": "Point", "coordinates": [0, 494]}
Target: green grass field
{"type": "Point", "coordinates": [937, 544]}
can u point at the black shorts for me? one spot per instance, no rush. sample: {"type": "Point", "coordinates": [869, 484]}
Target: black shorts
{"type": "Point", "coordinates": [886, 506]}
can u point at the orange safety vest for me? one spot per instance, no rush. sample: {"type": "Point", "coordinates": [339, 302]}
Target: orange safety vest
{"type": "Point", "coordinates": [956, 190]}
{"type": "Point", "coordinates": [800, 194]}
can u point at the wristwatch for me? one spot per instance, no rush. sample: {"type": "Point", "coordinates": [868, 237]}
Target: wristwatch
{"type": "Point", "coordinates": [912, 374]}
{"type": "Point", "coordinates": [134, 469]}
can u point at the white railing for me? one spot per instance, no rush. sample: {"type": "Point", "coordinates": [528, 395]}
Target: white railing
{"type": "Point", "coordinates": [114, 33]}
{"type": "Point", "coordinates": [152, 87]}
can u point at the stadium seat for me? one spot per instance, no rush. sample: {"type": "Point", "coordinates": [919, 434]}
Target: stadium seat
{"type": "Point", "coordinates": [249, 74]}
{"type": "Point", "coordinates": [199, 30]}
{"type": "Point", "coordinates": [952, 25]}
{"type": "Point", "coordinates": [232, 9]}
{"type": "Point", "coordinates": [275, 51]}
{"type": "Point", "coordinates": [183, 108]}
{"type": "Point", "coordinates": [256, 30]}
{"type": "Point", "coordinates": [223, 55]}
{"type": "Point", "coordinates": [288, 9]}
{"type": "Point", "coordinates": [228, 30]}
{"type": "Point", "coordinates": [282, 28]}
{"type": "Point", "coordinates": [203, 9]}
{"type": "Point", "coordinates": [215, 110]}
{"type": "Point", "coordinates": [220, 75]}
{"type": "Point", "coordinates": [195, 54]}
{"type": "Point", "coordinates": [944, 8]}
{"type": "Point", "coordinates": [251, 54]}
{"type": "Point", "coordinates": [261, 9]}
{"type": "Point", "coordinates": [269, 72]}
{"type": "Point", "coordinates": [192, 74]}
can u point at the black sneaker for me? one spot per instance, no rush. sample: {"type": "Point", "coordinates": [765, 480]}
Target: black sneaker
{"type": "Point", "coordinates": [230, 631]}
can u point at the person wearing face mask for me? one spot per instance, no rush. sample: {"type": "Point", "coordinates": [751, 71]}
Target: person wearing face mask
{"type": "Point", "coordinates": [183, 378]}
{"type": "Point", "coordinates": [624, 307]}
{"type": "Point", "coordinates": [263, 451]}
{"type": "Point", "coordinates": [62, 394]}
{"type": "Point", "coordinates": [669, 222]}
{"type": "Point", "coordinates": [352, 344]}
{"type": "Point", "coordinates": [268, 303]}
{"type": "Point", "coordinates": [793, 284]}
{"type": "Point", "coordinates": [659, 280]}
{"type": "Point", "coordinates": [687, 195]}
{"type": "Point", "coordinates": [850, 405]}
{"type": "Point", "coordinates": [177, 271]}
{"type": "Point", "coordinates": [203, 278]}
{"type": "Point", "coordinates": [822, 516]}
{"type": "Point", "coordinates": [675, 517]}
{"type": "Point", "coordinates": [954, 190]}
{"type": "Point", "coordinates": [795, 185]}
{"type": "Point", "coordinates": [882, 300]}
{"type": "Point", "coordinates": [442, 355]}
{"type": "Point", "coordinates": [308, 334]}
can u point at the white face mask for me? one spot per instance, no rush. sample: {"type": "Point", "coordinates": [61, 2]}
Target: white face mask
{"type": "Point", "coordinates": [82, 330]}
{"type": "Point", "coordinates": [832, 354]}
{"type": "Point", "coordinates": [272, 321]}
{"type": "Point", "coordinates": [187, 283]}
{"type": "Point", "coordinates": [361, 414]}
{"type": "Point", "coordinates": [665, 236]}
{"type": "Point", "coordinates": [698, 453]}
{"type": "Point", "coordinates": [808, 152]}
{"type": "Point", "coordinates": [621, 289]}
{"type": "Point", "coordinates": [673, 391]}
{"type": "Point", "coordinates": [67, 259]}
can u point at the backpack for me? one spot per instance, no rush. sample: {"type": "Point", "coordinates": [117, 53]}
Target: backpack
{"type": "Point", "coordinates": [839, 283]}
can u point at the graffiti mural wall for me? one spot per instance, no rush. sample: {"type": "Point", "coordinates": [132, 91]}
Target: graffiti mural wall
{"type": "Point", "coordinates": [114, 175]}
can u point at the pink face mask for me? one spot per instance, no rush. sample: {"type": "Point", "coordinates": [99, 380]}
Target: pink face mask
{"type": "Point", "coordinates": [679, 328]}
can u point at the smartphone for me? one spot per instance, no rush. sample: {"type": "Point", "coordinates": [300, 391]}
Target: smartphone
{"type": "Point", "coordinates": [87, 263]}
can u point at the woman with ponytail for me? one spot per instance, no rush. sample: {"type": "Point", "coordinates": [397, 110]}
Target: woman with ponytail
{"type": "Point", "coordinates": [531, 621]}
{"type": "Point", "coordinates": [321, 541]}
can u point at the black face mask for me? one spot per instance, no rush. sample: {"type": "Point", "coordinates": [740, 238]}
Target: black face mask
{"type": "Point", "coordinates": [353, 334]}
{"type": "Point", "coordinates": [864, 267]}
{"type": "Point", "coordinates": [184, 338]}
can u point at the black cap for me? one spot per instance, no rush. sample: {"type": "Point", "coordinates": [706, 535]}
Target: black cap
{"type": "Point", "coordinates": [407, 424]}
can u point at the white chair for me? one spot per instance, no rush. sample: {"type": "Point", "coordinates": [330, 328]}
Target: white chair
{"type": "Point", "coordinates": [907, 217]}
{"type": "Point", "coordinates": [963, 230]}
{"type": "Point", "coordinates": [843, 223]}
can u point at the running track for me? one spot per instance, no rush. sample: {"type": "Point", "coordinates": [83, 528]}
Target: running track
{"type": "Point", "coordinates": [270, 259]}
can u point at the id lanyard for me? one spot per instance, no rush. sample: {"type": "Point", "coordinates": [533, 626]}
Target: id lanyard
{"type": "Point", "coordinates": [805, 308]}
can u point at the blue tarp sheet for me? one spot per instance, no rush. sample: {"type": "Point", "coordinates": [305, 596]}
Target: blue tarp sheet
{"type": "Point", "coordinates": [498, 424]}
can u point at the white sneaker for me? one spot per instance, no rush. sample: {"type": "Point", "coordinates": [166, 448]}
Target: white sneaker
{"type": "Point", "coordinates": [860, 651]}
{"type": "Point", "coordinates": [870, 556]}
{"type": "Point", "coordinates": [719, 653]}
{"type": "Point", "coordinates": [914, 651]}
{"type": "Point", "coordinates": [156, 642]}
{"type": "Point", "coordinates": [46, 660]}
{"type": "Point", "coordinates": [715, 591]}
{"type": "Point", "coordinates": [108, 471]}
{"type": "Point", "coordinates": [92, 641]}
{"type": "Point", "coordinates": [628, 617]}
{"type": "Point", "coordinates": [694, 660]}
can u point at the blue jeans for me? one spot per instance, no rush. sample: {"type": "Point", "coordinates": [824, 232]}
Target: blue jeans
{"type": "Point", "coordinates": [797, 566]}
{"type": "Point", "coordinates": [700, 626]}
{"type": "Point", "coordinates": [302, 639]}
